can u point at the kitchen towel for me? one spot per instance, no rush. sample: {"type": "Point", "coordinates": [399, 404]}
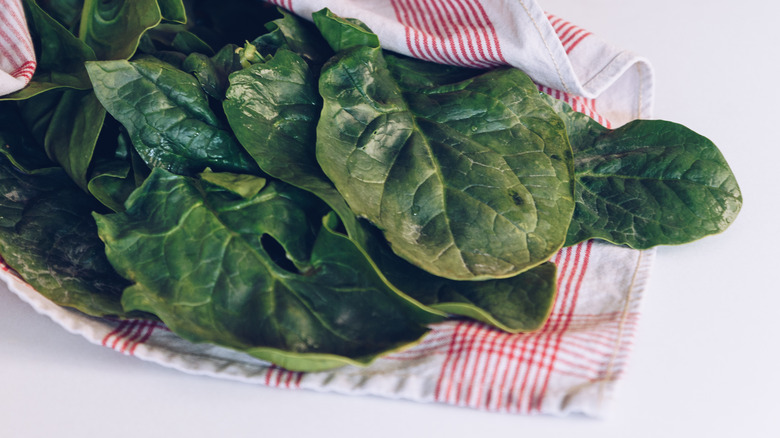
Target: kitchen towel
{"type": "Point", "coordinates": [17, 58]}
{"type": "Point", "coordinates": [573, 363]}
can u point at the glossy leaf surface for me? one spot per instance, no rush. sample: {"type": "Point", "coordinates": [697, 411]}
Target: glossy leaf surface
{"type": "Point", "coordinates": [167, 116]}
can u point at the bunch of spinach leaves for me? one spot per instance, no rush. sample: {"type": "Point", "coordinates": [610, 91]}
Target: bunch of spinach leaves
{"type": "Point", "coordinates": [307, 197]}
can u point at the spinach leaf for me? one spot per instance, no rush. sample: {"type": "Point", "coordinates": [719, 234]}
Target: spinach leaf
{"type": "Point", "coordinates": [246, 186]}
{"type": "Point", "coordinates": [67, 123]}
{"type": "Point", "coordinates": [459, 206]}
{"type": "Point", "coordinates": [167, 116]}
{"type": "Point", "coordinates": [344, 33]}
{"type": "Point", "coordinates": [296, 35]}
{"type": "Point", "coordinates": [202, 260]}
{"type": "Point", "coordinates": [212, 72]}
{"type": "Point", "coordinates": [18, 145]}
{"type": "Point", "coordinates": [66, 12]}
{"type": "Point", "coordinates": [112, 183]}
{"type": "Point", "coordinates": [73, 133]}
{"type": "Point", "coordinates": [113, 28]}
{"type": "Point", "coordinates": [173, 11]}
{"type": "Point", "coordinates": [519, 303]}
{"type": "Point", "coordinates": [273, 108]}
{"type": "Point", "coordinates": [647, 183]}
{"type": "Point", "coordinates": [416, 75]}
{"type": "Point", "coordinates": [49, 238]}
{"type": "Point", "coordinates": [188, 42]}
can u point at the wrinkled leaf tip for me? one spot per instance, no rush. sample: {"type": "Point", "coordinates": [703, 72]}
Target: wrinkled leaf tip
{"type": "Point", "coordinates": [342, 33]}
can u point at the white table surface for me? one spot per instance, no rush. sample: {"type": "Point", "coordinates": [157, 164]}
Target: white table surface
{"type": "Point", "coordinates": [706, 356]}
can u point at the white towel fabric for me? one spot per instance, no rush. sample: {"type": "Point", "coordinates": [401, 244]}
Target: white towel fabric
{"type": "Point", "coordinates": [17, 58]}
{"type": "Point", "coordinates": [574, 362]}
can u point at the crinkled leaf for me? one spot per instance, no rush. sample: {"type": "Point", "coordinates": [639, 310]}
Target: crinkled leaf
{"type": "Point", "coordinates": [294, 34]}
{"type": "Point", "coordinates": [49, 238]}
{"type": "Point", "coordinates": [167, 116]}
{"type": "Point", "coordinates": [113, 27]}
{"type": "Point", "coordinates": [344, 33]}
{"type": "Point", "coordinates": [647, 183]}
{"type": "Point", "coordinates": [199, 260]}
{"type": "Point", "coordinates": [273, 109]}
{"type": "Point", "coordinates": [489, 202]}
{"type": "Point", "coordinates": [212, 72]}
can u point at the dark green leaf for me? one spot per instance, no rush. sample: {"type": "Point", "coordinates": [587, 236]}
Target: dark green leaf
{"type": "Point", "coordinates": [200, 261]}
{"type": "Point", "coordinates": [212, 72]}
{"type": "Point", "coordinates": [49, 238]}
{"type": "Point", "coordinates": [167, 116]}
{"type": "Point", "coordinates": [515, 304]}
{"type": "Point", "coordinates": [344, 33]}
{"type": "Point", "coordinates": [470, 181]}
{"type": "Point", "coordinates": [113, 27]}
{"type": "Point", "coordinates": [173, 11]}
{"type": "Point", "coordinates": [188, 42]}
{"type": "Point", "coordinates": [294, 34]}
{"type": "Point", "coordinates": [111, 183]}
{"type": "Point", "coordinates": [67, 12]}
{"type": "Point", "coordinates": [647, 183]}
{"type": "Point", "coordinates": [415, 74]}
{"type": "Point", "coordinates": [273, 109]}
{"type": "Point", "coordinates": [17, 144]}
{"type": "Point", "coordinates": [73, 133]}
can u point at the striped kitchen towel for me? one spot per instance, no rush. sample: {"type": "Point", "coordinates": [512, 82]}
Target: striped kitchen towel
{"type": "Point", "coordinates": [17, 58]}
{"type": "Point", "coordinates": [572, 364]}
{"type": "Point", "coordinates": [484, 33]}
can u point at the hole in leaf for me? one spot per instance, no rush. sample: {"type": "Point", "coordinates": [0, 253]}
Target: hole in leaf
{"type": "Point", "coordinates": [516, 198]}
{"type": "Point", "coordinates": [278, 255]}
